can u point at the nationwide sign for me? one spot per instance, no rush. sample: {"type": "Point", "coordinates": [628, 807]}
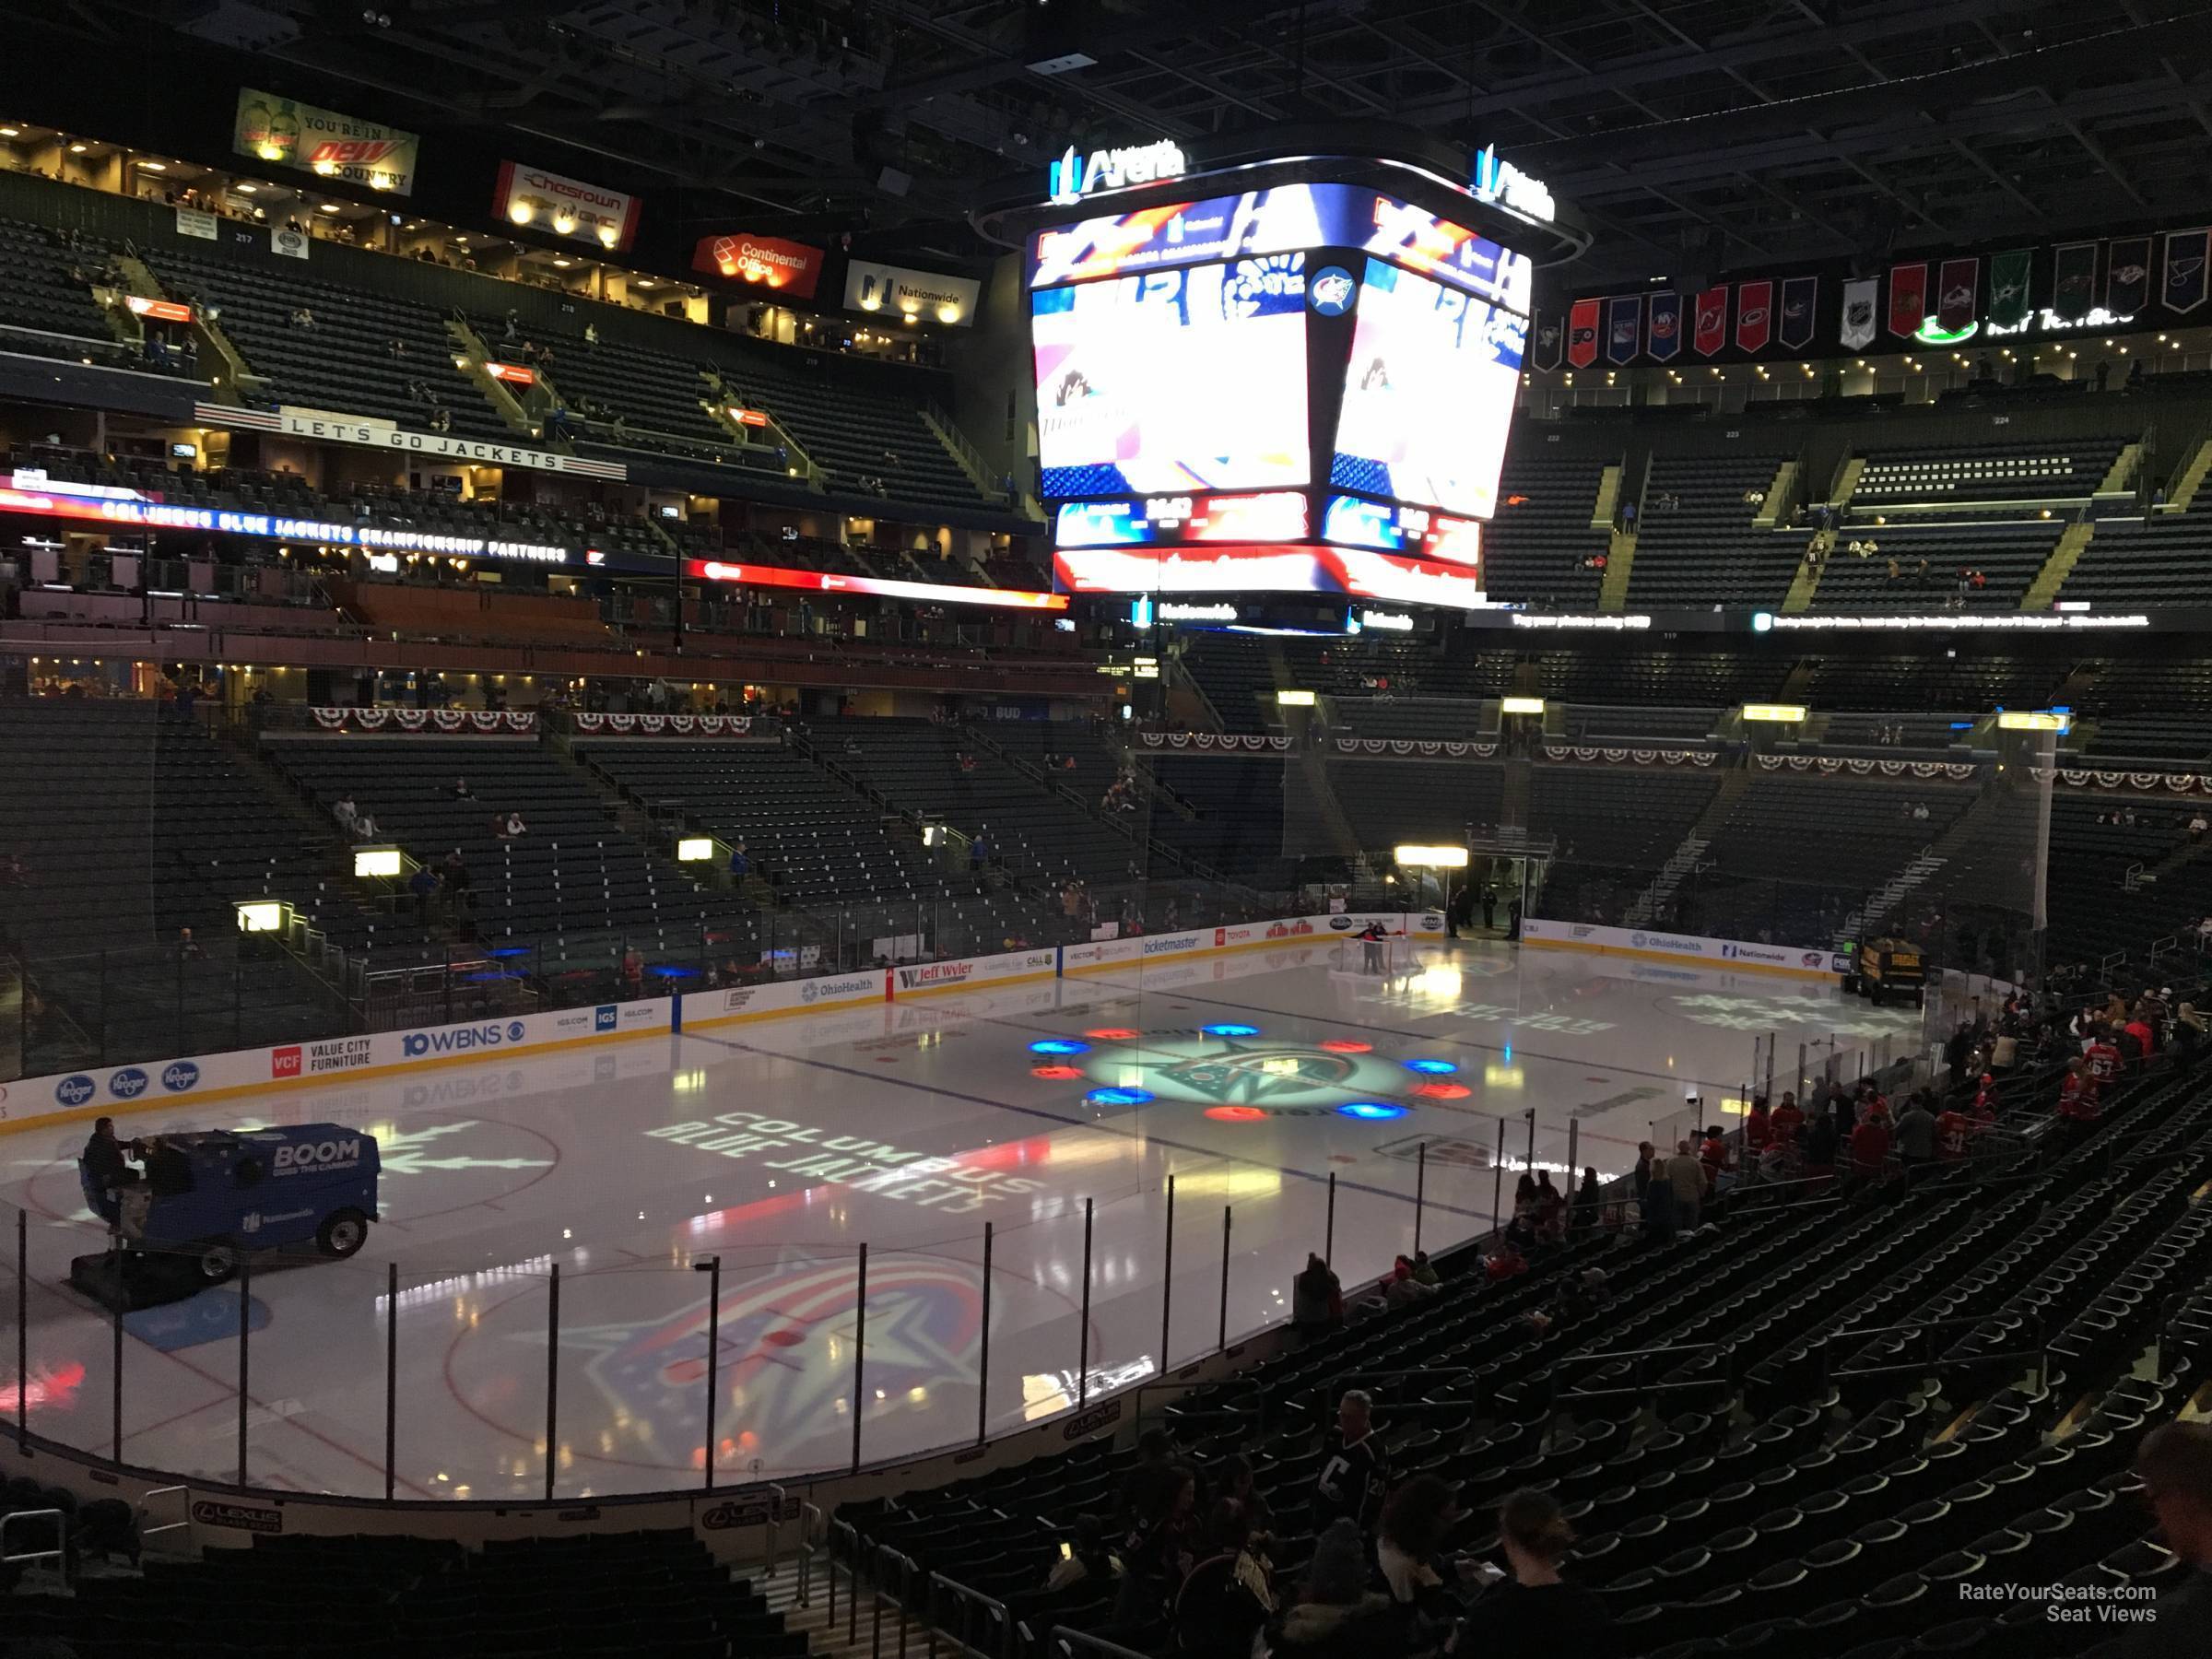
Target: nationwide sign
{"type": "Point", "coordinates": [322, 426]}
{"type": "Point", "coordinates": [564, 206]}
{"type": "Point", "coordinates": [878, 287]}
{"type": "Point", "coordinates": [331, 146]}
{"type": "Point", "coordinates": [1075, 176]}
{"type": "Point", "coordinates": [826, 581]}
{"type": "Point", "coordinates": [28, 491]}
{"type": "Point", "coordinates": [789, 267]}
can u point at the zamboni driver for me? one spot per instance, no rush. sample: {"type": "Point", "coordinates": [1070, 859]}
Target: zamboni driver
{"type": "Point", "coordinates": [105, 1171]}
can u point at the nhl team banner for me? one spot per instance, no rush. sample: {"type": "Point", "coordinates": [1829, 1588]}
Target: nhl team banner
{"type": "Point", "coordinates": [1957, 283]}
{"type": "Point", "coordinates": [1552, 341]}
{"type": "Point", "coordinates": [2073, 280]}
{"type": "Point", "coordinates": [2010, 276]}
{"type": "Point", "coordinates": [1860, 298]}
{"type": "Point", "coordinates": [2127, 275]}
{"type": "Point", "coordinates": [1712, 321]}
{"type": "Point", "coordinates": [1663, 326]}
{"type": "Point", "coordinates": [2185, 252]}
{"type": "Point", "coordinates": [1754, 314]}
{"type": "Point", "coordinates": [1624, 321]}
{"type": "Point", "coordinates": [330, 145]}
{"type": "Point", "coordinates": [1800, 303]}
{"type": "Point", "coordinates": [1908, 298]}
{"type": "Point", "coordinates": [1582, 334]}
{"type": "Point", "coordinates": [565, 207]}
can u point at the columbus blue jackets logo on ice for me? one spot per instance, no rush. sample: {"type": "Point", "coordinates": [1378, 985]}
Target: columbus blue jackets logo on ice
{"type": "Point", "coordinates": [1259, 1072]}
{"type": "Point", "coordinates": [1330, 293]}
{"type": "Point", "coordinates": [785, 1355]}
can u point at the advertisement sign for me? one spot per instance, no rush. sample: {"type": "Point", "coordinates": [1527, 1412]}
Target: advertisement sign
{"type": "Point", "coordinates": [830, 582]}
{"type": "Point", "coordinates": [1174, 381]}
{"type": "Point", "coordinates": [1362, 572]}
{"type": "Point", "coordinates": [1288, 218]}
{"type": "Point", "coordinates": [1429, 395]}
{"type": "Point", "coordinates": [564, 206]}
{"type": "Point", "coordinates": [1165, 520]}
{"type": "Point", "coordinates": [198, 222]}
{"type": "Point", "coordinates": [784, 996]}
{"type": "Point", "coordinates": [323, 425]}
{"type": "Point", "coordinates": [769, 262]}
{"type": "Point", "coordinates": [285, 133]}
{"type": "Point", "coordinates": [920, 978]}
{"type": "Point", "coordinates": [1798, 961]}
{"type": "Point", "coordinates": [937, 299]}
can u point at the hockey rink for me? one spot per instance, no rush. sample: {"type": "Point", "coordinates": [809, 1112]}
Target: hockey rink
{"type": "Point", "coordinates": [781, 1147]}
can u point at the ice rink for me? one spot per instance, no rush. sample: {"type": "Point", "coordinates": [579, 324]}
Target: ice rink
{"type": "Point", "coordinates": [783, 1147]}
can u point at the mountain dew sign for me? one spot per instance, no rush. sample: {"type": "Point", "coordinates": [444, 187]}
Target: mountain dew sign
{"type": "Point", "coordinates": [287, 133]}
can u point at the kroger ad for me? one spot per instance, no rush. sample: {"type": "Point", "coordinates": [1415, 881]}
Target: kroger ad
{"type": "Point", "coordinates": [1174, 381]}
{"type": "Point", "coordinates": [1429, 395]}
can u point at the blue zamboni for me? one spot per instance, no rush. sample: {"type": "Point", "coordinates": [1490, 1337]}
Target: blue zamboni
{"type": "Point", "coordinates": [209, 1196]}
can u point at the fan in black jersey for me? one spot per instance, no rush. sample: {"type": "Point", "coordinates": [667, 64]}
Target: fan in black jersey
{"type": "Point", "coordinates": [1355, 1470]}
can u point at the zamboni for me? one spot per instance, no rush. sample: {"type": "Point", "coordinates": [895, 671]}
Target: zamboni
{"type": "Point", "coordinates": [209, 1196]}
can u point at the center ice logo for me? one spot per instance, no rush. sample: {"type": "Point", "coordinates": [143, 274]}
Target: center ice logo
{"type": "Point", "coordinates": [1271, 1072]}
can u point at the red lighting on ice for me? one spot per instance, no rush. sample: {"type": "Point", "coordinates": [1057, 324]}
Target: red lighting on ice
{"type": "Point", "coordinates": [1237, 1114]}
{"type": "Point", "coordinates": [1113, 1034]}
{"type": "Point", "coordinates": [1058, 1074]}
{"type": "Point", "coordinates": [1346, 1045]}
{"type": "Point", "coordinates": [56, 1387]}
{"type": "Point", "coordinates": [1441, 1091]}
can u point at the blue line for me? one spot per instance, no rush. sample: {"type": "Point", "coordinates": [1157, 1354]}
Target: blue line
{"type": "Point", "coordinates": [1076, 1122]}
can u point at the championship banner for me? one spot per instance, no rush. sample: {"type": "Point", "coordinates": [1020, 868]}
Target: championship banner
{"type": "Point", "coordinates": [1551, 342]}
{"type": "Point", "coordinates": [1800, 304]}
{"type": "Point", "coordinates": [2128, 276]}
{"type": "Point", "coordinates": [564, 206]}
{"type": "Point", "coordinates": [1754, 314]}
{"type": "Point", "coordinates": [1624, 326]}
{"type": "Point", "coordinates": [1663, 327]}
{"type": "Point", "coordinates": [1712, 321]}
{"type": "Point", "coordinates": [324, 142]}
{"type": "Point", "coordinates": [1860, 298]}
{"type": "Point", "coordinates": [2010, 276]}
{"type": "Point", "coordinates": [1957, 283]}
{"type": "Point", "coordinates": [1582, 334]}
{"type": "Point", "coordinates": [2073, 280]}
{"type": "Point", "coordinates": [788, 267]}
{"type": "Point", "coordinates": [2185, 252]}
{"type": "Point", "coordinates": [1908, 298]}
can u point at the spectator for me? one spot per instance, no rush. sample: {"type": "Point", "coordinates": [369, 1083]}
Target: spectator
{"type": "Point", "coordinates": [515, 829]}
{"type": "Point", "coordinates": [1225, 1597]}
{"type": "Point", "coordinates": [1551, 1209]}
{"type": "Point", "coordinates": [462, 791]}
{"type": "Point", "coordinates": [1870, 1146]}
{"type": "Point", "coordinates": [1640, 1177]}
{"type": "Point", "coordinates": [1143, 1485]}
{"type": "Point", "coordinates": [1408, 1537]}
{"type": "Point", "coordinates": [302, 318]}
{"type": "Point", "coordinates": [1424, 1270]}
{"type": "Point", "coordinates": [1788, 1122]}
{"type": "Point", "coordinates": [423, 884]}
{"type": "Point", "coordinates": [1335, 1616]}
{"type": "Point", "coordinates": [1159, 1551]}
{"type": "Point", "coordinates": [1316, 1299]}
{"type": "Point", "coordinates": [740, 865]}
{"type": "Point", "coordinates": [1713, 1154]}
{"type": "Point", "coordinates": [1915, 1135]}
{"type": "Point", "coordinates": [1589, 1202]}
{"type": "Point", "coordinates": [1401, 1289]}
{"type": "Point", "coordinates": [1354, 1471]}
{"type": "Point", "coordinates": [364, 828]}
{"type": "Point", "coordinates": [1506, 1261]}
{"type": "Point", "coordinates": [344, 811]}
{"type": "Point", "coordinates": [1534, 1613]}
{"type": "Point", "coordinates": [1686, 1175]}
{"type": "Point", "coordinates": [2174, 1463]}
{"type": "Point", "coordinates": [1821, 1143]}
{"type": "Point", "coordinates": [1759, 1127]}
{"type": "Point", "coordinates": [1952, 1130]}
{"type": "Point", "coordinates": [1090, 1556]}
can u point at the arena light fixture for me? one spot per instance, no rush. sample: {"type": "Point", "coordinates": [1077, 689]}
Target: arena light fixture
{"type": "Point", "coordinates": [1520, 705]}
{"type": "Point", "coordinates": [261, 916]}
{"type": "Point", "coordinates": [694, 849]}
{"type": "Point", "coordinates": [2033, 720]}
{"type": "Point", "coordinates": [1415, 856]}
{"type": "Point", "coordinates": [376, 861]}
{"type": "Point", "coordinates": [1783, 714]}
{"type": "Point", "coordinates": [1294, 700]}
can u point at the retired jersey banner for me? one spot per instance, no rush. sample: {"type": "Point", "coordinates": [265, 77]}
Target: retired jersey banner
{"type": "Point", "coordinates": [1754, 316]}
{"type": "Point", "coordinates": [1624, 329]}
{"type": "Point", "coordinates": [330, 145]}
{"type": "Point", "coordinates": [1800, 302]}
{"type": "Point", "coordinates": [1582, 334]}
{"type": "Point", "coordinates": [2127, 275]}
{"type": "Point", "coordinates": [1957, 284]}
{"type": "Point", "coordinates": [1908, 298]}
{"type": "Point", "coordinates": [2184, 284]}
{"type": "Point", "coordinates": [2073, 280]}
{"type": "Point", "coordinates": [1552, 341]}
{"type": "Point", "coordinates": [1859, 297]}
{"type": "Point", "coordinates": [2009, 277]}
{"type": "Point", "coordinates": [1712, 321]}
{"type": "Point", "coordinates": [1663, 326]}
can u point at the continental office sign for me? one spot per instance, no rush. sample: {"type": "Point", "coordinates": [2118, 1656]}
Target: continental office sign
{"type": "Point", "coordinates": [283, 132]}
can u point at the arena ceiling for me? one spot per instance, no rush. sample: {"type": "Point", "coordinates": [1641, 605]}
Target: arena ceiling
{"type": "Point", "coordinates": [1694, 134]}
